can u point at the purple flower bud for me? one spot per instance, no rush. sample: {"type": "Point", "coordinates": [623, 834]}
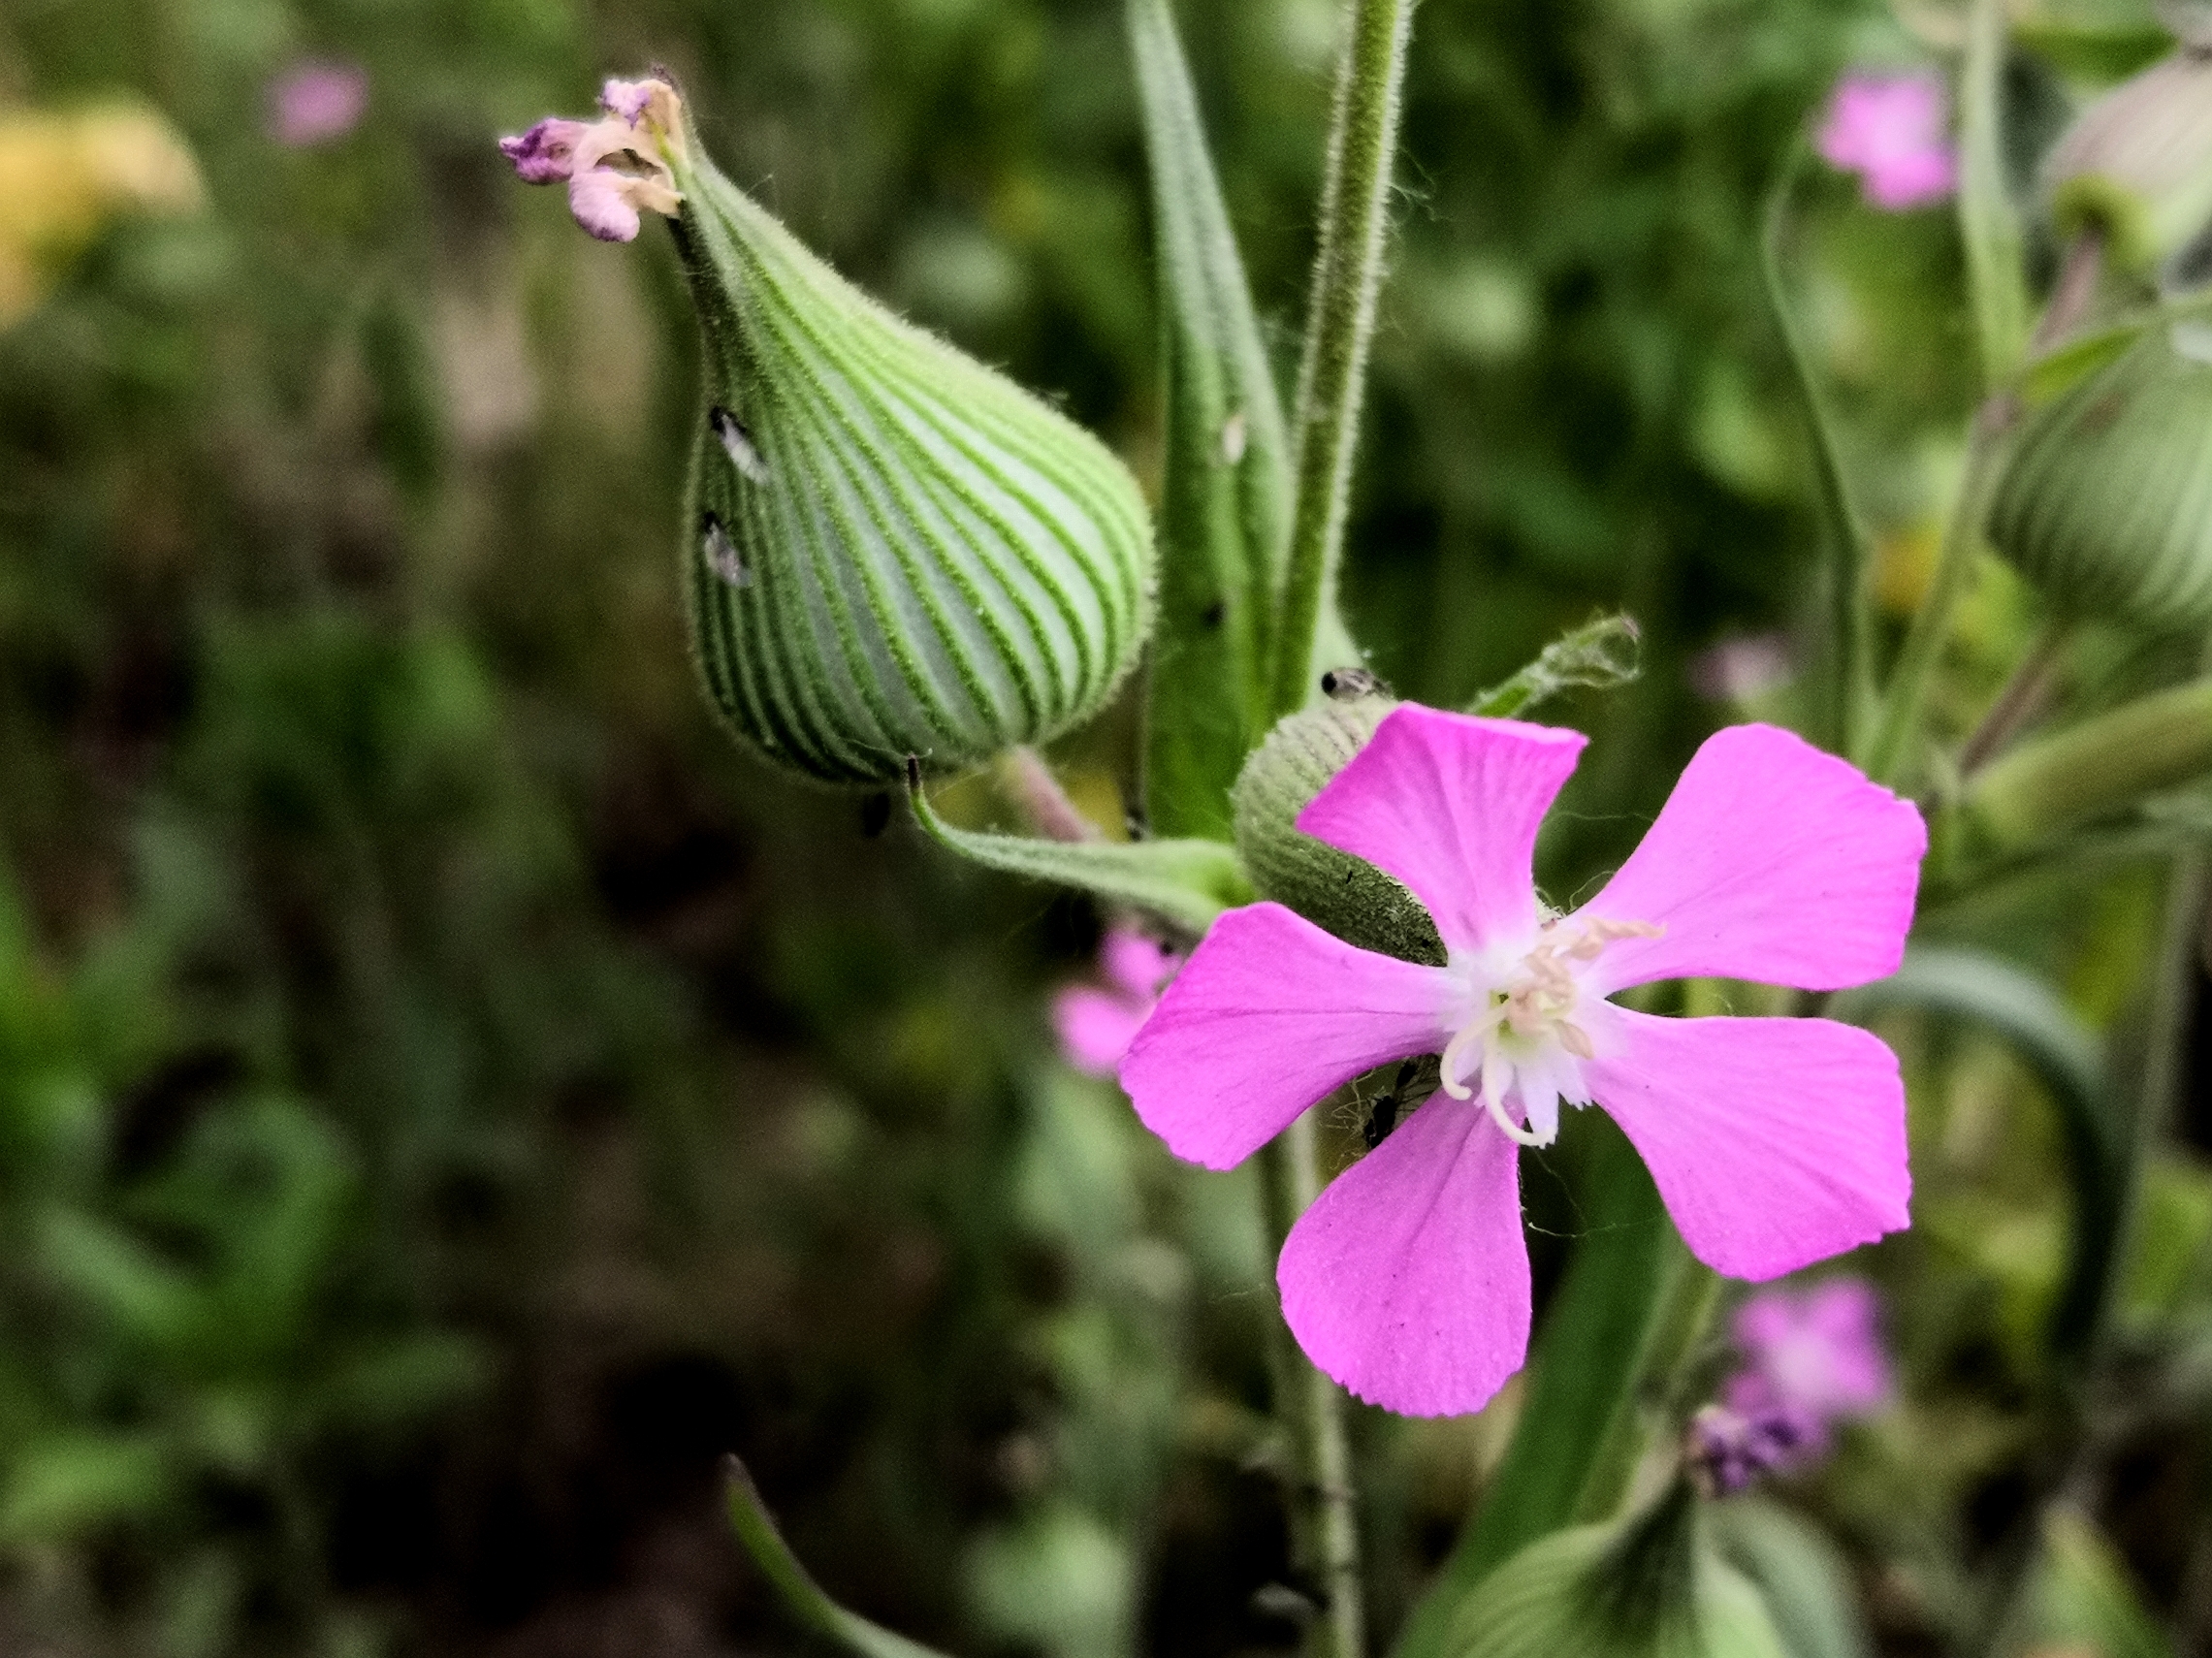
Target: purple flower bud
{"type": "Point", "coordinates": [1727, 1450]}
{"type": "Point", "coordinates": [627, 98]}
{"type": "Point", "coordinates": [314, 101]}
{"type": "Point", "coordinates": [546, 155]}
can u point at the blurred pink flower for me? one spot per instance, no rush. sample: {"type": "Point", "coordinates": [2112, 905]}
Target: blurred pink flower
{"type": "Point", "coordinates": [1892, 131]}
{"type": "Point", "coordinates": [1096, 1025]}
{"type": "Point", "coordinates": [1729, 1450]}
{"type": "Point", "coordinates": [1814, 1356]}
{"type": "Point", "coordinates": [316, 100]}
{"type": "Point", "coordinates": [1742, 668]}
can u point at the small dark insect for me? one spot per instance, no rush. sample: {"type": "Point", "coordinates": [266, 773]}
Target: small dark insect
{"type": "Point", "coordinates": [1383, 1118]}
{"type": "Point", "coordinates": [876, 814]}
{"type": "Point", "coordinates": [1213, 612]}
{"type": "Point", "coordinates": [737, 443]}
{"type": "Point", "coordinates": [1350, 685]}
{"type": "Point", "coordinates": [723, 555]}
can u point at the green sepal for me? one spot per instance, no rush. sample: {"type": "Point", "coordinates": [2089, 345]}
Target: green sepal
{"type": "Point", "coordinates": [1187, 882]}
{"type": "Point", "coordinates": [803, 1597]}
{"type": "Point", "coordinates": [889, 549]}
{"type": "Point", "coordinates": [1343, 895]}
{"type": "Point", "coordinates": [1226, 502]}
{"type": "Point", "coordinates": [1604, 654]}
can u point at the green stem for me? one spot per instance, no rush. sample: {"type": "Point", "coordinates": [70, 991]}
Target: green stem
{"type": "Point", "coordinates": [1325, 1519]}
{"type": "Point", "coordinates": [1340, 326]}
{"type": "Point", "coordinates": [2022, 699]}
{"type": "Point", "coordinates": [1906, 698]}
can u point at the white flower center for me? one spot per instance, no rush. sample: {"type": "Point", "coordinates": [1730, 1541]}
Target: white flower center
{"type": "Point", "coordinates": [1530, 1025]}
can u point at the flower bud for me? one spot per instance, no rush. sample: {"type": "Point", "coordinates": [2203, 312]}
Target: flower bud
{"type": "Point", "coordinates": [2135, 167]}
{"type": "Point", "coordinates": [891, 550]}
{"type": "Point", "coordinates": [2101, 501]}
{"type": "Point", "coordinates": [1348, 895]}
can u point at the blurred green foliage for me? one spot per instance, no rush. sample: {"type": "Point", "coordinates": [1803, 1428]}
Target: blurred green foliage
{"type": "Point", "coordinates": [447, 1098]}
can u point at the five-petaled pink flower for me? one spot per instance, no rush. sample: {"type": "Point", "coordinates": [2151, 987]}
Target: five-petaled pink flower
{"type": "Point", "coordinates": [1890, 130]}
{"type": "Point", "coordinates": [1095, 1025]}
{"type": "Point", "coordinates": [1775, 1142]}
{"type": "Point", "coordinates": [1813, 1354]}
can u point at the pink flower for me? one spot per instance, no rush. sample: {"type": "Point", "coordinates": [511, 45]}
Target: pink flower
{"type": "Point", "coordinates": [313, 102]}
{"type": "Point", "coordinates": [1817, 1352]}
{"type": "Point", "coordinates": [1727, 1450]}
{"type": "Point", "coordinates": [615, 168]}
{"type": "Point", "coordinates": [1097, 1026]}
{"type": "Point", "coordinates": [1890, 130]}
{"type": "Point", "coordinates": [1739, 669]}
{"type": "Point", "coordinates": [1775, 1142]}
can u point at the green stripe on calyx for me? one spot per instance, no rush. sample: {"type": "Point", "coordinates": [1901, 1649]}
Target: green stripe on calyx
{"type": "Point", "coordinates": [889, 549]}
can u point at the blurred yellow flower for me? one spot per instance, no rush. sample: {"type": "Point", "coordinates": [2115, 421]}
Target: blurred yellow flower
{"type": "Point", "coordinates": [1905, 564]}
{"type": "Point", "coordinates": [65, 176]}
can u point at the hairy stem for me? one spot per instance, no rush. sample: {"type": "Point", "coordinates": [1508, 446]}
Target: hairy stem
{"type": "Point", "coordinates": [1325, 1519]}
{"type": "Point", "coordinates": [1029, 780]}
{"type": "Point", "coordinates": [1340, 326]}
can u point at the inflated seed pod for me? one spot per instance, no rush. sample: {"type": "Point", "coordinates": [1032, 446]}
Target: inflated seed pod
{"type": "Point", "coordinates": [1347, 896]}
{"type": "Point", "coordinates": [888, 548]}
{"type": "Point", "coordinates": [2105, 500]}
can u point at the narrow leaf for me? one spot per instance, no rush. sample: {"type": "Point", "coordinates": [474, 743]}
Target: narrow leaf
{"type": "Point", "coordinates": [1603, 656]}
{"type": "Point", "coordinates": [1224, 515]}
{"type": "Point", "coordinates": [2059, 371]}
{"type": "Point", "coordinates": [802, 1596]}
{"type": "Point", "coordinates": [1848, 544]}
{"type": "Point", "coordinates": [1989, 221]}
{"type": "Point", "coordinates": [2086, 1598]}
{"type": "Point", "coordinates": [1187, 882]}
{"type": "Point", "coordinates": [2051, 1040]}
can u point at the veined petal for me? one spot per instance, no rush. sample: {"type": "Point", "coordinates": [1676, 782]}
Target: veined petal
{"type": "Point", "coordinates": [1407, 1280]}
{"type": "Point", "coordinates": [1772, 861]}
{"type": "Point", "coordinates": [1450, 805]}
{"type": "Point", "coordinates": [1269, 1014]}
{"type": "Point", "coordinates": [1776, 1142]}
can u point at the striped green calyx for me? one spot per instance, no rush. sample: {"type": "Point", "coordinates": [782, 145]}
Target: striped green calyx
{"type": "Point", "coordinates": [1345, 895]}
{"type": "Point", "coordinates": [2103, 498]}
{"type": "Point", "coordinates": [889, 549]}
{"type": "Point", "coordinates": [2136, 168]}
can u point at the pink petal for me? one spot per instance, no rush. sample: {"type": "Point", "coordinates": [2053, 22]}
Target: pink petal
{"type": "Point", "coordinates": [1270, 1014]}
{"type": "Point", "coordinates": [1407, 1280]}
{"type": "Point", "coordinates": [1450, 806]}
{"type": "Point", "coordinates": [602, 205]}
{"type": "Point", "coordinates": [1096, 1027]}
{"type": "Point", "coordinates": [1776, 1142]}
{"type": "Point", "coordinates": [546, 155]}
{"type": "Point", "coordinates": [1773, 862]}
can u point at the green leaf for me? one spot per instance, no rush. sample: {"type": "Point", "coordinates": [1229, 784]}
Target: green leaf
{"type": "Point", "coordinates": [1585, 1370]}
{"type": "Point", "coordinates": [802, 1596]}
{"type": "Point", "coordinates": [62, 1487]}
{"type": "Point", "coordinates": [1804, 1577]}
{"type": "Point", "coordinates": [2051, 1040]}
{"type": "Point", "coordinates": [2098, 768]}
{"type": "Point", "coordinates": [2085, 1597]}
{"type": "Point", "coordinates": [1225, 512]}
{"type": "Point", "coordinates": [1186, 882]}
{"type": "Point", "coordinates": [1602, 655]}
{"type": "Point", "coordinates": [1988, 219]}
{"type": "Point", "coordinates": [2057, 372]}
